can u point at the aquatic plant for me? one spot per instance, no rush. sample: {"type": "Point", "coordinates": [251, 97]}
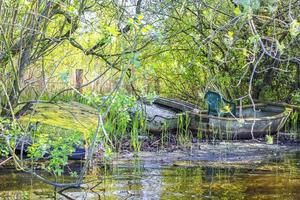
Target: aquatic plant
{"type": "Point", "coordinates": [134, 133]}
{"type": "Point", "coordinates": [125, 120]}
{"type": "Point", "coordinates": [183, 135]}
{"type": "Point", "coordinates": [269, 139]}
{"type": "Point", "coordinates": [294, 121]}
{"type": "Point", "coordinates": [165, 134]}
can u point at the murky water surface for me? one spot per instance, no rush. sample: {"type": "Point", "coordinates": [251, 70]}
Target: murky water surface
{"type": "Point", "coordinates": [171, 176]}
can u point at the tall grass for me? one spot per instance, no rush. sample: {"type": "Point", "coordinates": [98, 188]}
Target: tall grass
{"type": "Point", "coordinates": [292, 126]}
{"type": "Point", "coordinates": [165, 134]}
{"type": "Point", "coordinates": [184, 135]}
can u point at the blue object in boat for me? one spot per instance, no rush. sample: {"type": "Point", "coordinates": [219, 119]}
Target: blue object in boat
{"type": "Point", "coordinates": [218, 106]}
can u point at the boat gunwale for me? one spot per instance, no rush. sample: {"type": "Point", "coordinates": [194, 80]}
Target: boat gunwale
{"type": "Point", "coordinates": [285, 113]}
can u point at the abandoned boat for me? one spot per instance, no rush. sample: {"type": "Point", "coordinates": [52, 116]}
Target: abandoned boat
{"type": "Point", "coordinates": [250, 122]}
{"type": "Point", "coordinates": [162, 114]}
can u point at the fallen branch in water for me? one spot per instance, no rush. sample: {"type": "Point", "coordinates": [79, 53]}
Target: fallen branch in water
{"type": "Point", "coordinates": [6, 160]}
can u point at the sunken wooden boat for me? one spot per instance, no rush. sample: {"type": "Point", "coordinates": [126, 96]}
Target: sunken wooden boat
{"type": "Point", "coordinates": [23, 143]}
{"type": "Point", "coordinates": [78, 154]}
{"type": "Point", "coordinates": [249, 122]}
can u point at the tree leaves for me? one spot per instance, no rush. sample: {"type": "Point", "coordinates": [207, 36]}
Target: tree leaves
{"type": "Point", "coordinates": [294, 28]}
{"type": "Point", "coordinates": [113, 31]}
{"type": "Point", "coordinates": [237, 11]}
{"type": "Point", "coordinates": [146, 28]}
{"type": "Point", "coordinates": [249, 4]}
{"type": "Point", "coordinates": [135, 61]}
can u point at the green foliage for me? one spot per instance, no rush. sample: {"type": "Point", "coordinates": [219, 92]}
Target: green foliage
{"type": "Point", "coordinates": [56, 144]}
{"type": "Point", "coordinates": [11, 131]}
{"type": "Point", "coordinates": [269, 139]}
{"type": "Point", "coordinates": [124, 121]}
{"type": "Point", "coordinates": [165, 134]}
{"type": "Point", "coordinates": [134, 132]}
{"type": "Point", "coordinates": [135, 61]}
{"type": "Point", "coordinates": [293, 122]}
{"type": "Point", "coordinates": [295, 97]}
{"type": "Point", "coordinates": [183, 133]}
{"type": "Point", "coordinates": [4, 151]}
{"type": "Point", "coordinates": [294, 28]}
{"type": "Point", "coordinates": [249, 4]}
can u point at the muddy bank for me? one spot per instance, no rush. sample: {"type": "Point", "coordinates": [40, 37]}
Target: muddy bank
{"type": "Point", "coordinates": [233, 153]}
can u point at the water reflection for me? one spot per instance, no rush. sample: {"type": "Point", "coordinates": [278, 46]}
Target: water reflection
{"type": "Point", "coordinates": [278, 179]}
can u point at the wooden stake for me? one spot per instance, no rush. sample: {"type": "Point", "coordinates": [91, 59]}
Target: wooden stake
{"type": "Point", "coordinates": [79, 80]}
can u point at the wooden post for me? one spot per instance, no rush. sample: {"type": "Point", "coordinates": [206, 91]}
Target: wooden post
{"type": "Point", "coordinates": [79, 79]}
{"type": "Point", "coordinates": [157, 85]}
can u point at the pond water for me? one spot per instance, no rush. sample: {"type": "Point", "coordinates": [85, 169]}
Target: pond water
{"type": "Point", "coordinates": [171, 176]}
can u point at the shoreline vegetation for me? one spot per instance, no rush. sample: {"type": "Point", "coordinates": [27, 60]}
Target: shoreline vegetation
{"type": "Point", "coordinates": [66, 126]}
{"type": "Point", "coordinates": [73, 74]}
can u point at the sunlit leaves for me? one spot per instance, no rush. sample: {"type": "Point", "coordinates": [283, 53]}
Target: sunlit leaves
{"type": "Point", "coordinates": [139, 24]}
{"type": "Point", "coordinates": [207, 14]}
{"type": "Point", "coordinates": [254, 41]}
{"type": "Point", "coordinates": [130, 21]}
{"type": "Point", "coordinates": [237, 11]}
{"type": "Point", "coordinates": [294, 28]}
{"type": "Point", "coordinates": [280, 46]}
{"type": "Point", "coordinates": [245, 52]}
{"type": "Point", "coordinates": [139, 18]}
{"type": "Point", "coordinates": [272, 5]}
{"type": "Point", "coordinates": [249, 4]}
{"type": "Point", "coordinates": [146, 28]}
{"type": "Point", "coordinates": [135, 60]}
{"type": "Point", "coordinates": [230, 34]}
{"type": "Point", "coordinates": [218, 57]}
{"type": "Point", "coordinates": [229, 38]}
{"type": "Point", "coordinates": [113, 31]}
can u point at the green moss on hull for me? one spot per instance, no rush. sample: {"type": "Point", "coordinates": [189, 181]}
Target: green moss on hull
{"type": "Point", "coordinates": [73, 116]}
